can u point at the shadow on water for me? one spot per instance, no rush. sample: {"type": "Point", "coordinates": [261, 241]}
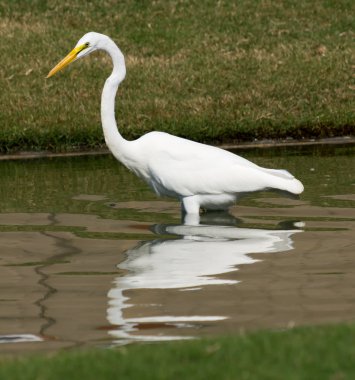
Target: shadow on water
{"type": "Point", "coordinates": [89, 256]}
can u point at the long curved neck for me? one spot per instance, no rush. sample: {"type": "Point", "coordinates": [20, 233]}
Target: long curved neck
{"type": "Point", "coordinates": [116, 143]}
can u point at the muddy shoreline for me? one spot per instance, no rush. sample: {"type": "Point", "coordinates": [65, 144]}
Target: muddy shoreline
{"type": "Point", "coordinates": [246, 145]}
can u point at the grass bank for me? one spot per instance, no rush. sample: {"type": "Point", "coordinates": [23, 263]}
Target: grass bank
{"type": "Point", "coordinates": [213, 71]}
{"type": "Point", "coordinates": [302, 353]}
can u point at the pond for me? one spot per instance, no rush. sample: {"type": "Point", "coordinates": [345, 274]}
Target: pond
{"type": "Point", "coordinates": [89, 256]}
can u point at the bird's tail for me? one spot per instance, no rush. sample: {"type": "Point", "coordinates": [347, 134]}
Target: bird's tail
{"type": "Point", "coordinates": [283, 180]}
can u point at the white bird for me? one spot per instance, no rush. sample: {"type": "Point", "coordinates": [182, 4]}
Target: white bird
{"type": "Point", "coordinates": [198, 175]}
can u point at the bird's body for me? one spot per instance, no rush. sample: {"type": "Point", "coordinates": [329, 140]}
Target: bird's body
{"type": "Point", "coordinates": [198, 175]}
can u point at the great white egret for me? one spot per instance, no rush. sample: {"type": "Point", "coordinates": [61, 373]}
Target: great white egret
{"type": "Point", "coordinates": [198, 175]}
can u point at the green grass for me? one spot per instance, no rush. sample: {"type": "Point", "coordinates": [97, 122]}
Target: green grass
{"type": "Point", "coordinates": [302, 353]}
{"type": "Point", "coordinates": [212, 71]}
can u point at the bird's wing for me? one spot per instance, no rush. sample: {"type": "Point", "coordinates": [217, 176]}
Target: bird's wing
{"type": "Point", "coordinates": [196, 177]}
{"type": "Point", "coordinates": [188, 168]}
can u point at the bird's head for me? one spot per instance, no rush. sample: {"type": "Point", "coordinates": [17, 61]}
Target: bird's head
{"type": "Point", "coordinates": [86, 45]}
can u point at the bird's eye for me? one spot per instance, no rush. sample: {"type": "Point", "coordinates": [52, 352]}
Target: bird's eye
{"type": "Point", "coordinates": [87, 44]}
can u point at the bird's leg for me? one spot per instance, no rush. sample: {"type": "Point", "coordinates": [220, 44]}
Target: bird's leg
{"type": "Point", "coordinates": [191, 205]}
{"type": "Point", "coordinates": [191, 219]}
{"type": "Point", "coordinates": [190, 208]}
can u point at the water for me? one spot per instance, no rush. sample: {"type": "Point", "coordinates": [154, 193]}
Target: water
{"type": "Point", "coordinates": [90, 257]}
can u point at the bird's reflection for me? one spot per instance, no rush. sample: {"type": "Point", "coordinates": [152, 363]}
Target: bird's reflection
{"type": "Point", "coordinates": [193, 258]}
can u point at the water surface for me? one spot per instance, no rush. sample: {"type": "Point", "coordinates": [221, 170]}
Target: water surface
{"type": "Point", "coordinates": [90, 257]}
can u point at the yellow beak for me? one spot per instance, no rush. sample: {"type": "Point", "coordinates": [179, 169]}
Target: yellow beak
{"type": "Point", "coordinates": [68, 59]}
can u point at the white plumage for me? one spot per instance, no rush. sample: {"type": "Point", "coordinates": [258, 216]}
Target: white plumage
{"type": "Point", "coordinates": [198, 175]}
